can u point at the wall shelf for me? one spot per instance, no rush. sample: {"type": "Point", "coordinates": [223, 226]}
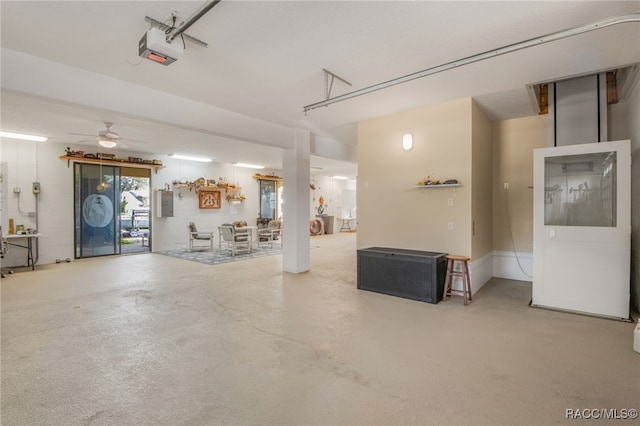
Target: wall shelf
{"type": "Point", "coordinates": [265, 177]}
{"type": "Point", "coordinates": [440, 185]}
{"type": "Point", "coordinates": [199, 188]}
{"type": "Point", "coordinates": [106, 162]}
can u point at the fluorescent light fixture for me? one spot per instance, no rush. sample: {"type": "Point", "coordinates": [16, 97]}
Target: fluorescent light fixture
{"type": "Point", "coordinates": [22, 136]}
{"type": "Point", "coordinates": [339, 177]}
{"type": "Point", "coordinates": [107, 143]}
{"type": "Point", "coordinates": [407, 141]}
{"type": "Point", "coordinates": [190, 158]}
{"type": "Point", "coordinates": [248, 166]}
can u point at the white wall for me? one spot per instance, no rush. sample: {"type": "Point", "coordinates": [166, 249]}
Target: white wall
{"type": "Point", "coordinates": [339, 196]}
{"type": "Point", "coordinates": [27, 162]}
{"type": "Point", "coordinates": [633, 118]}
{"type": "Point", "coordinates": [391, 213]}
{"type": "Point", "coordinates": [171, 232]}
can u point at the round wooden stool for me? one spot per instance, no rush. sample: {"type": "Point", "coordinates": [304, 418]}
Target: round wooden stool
{"type": "Point", "coordinates": [463, 273]}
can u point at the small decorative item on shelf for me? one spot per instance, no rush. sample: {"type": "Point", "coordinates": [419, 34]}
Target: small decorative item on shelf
{"type": "Point", "coordinates": [231, 198]}
{"type": "Point", "coordinates": [429, 181]}
{"type": "Point", "coordinates": [222, 183]}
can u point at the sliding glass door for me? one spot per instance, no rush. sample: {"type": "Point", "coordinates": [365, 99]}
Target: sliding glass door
{"type": "Point", "coordinates": [97, 208]}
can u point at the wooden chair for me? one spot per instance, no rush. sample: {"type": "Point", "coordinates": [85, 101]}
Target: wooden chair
{"type": "Point", "coordinates": [195, 235]}
{"type": "Point", "coordinates": [462, 272]}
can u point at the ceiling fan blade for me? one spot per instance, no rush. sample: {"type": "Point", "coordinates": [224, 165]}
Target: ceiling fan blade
{"type": "Point", "coordinates": [133, 140]}
{"type": "Point", "coordinates": [85, 141]}
{"type": "Point", "coordinates": [79, 134]}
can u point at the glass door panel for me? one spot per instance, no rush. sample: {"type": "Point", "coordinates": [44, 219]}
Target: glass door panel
{"type": "Point", "coordinates": [97, 223]}
{"type": "Point", "coordinates": [268, 199]}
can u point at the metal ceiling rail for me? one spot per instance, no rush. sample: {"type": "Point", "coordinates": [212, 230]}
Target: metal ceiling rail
{"type": "Point", "coordinates": [165, 27]}
{"type": "Point", "coordinates": [536, 41]}
{"type": "Point", "coordinates": [207, 7]}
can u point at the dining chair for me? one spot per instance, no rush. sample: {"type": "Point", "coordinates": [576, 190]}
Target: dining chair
{"type": "Point", "coordinates": [233, 241]}
{"type": "Point", "coordinates": [195, 236]}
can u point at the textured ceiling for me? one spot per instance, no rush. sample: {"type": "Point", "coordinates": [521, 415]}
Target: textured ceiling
{"type": "Point", "coordinates": [265, 61]}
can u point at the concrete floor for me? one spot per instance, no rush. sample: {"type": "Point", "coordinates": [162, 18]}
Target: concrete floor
{"type": "Point", "coordinates": [154, 340]}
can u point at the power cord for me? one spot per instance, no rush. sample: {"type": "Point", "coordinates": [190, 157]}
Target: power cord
{"type": "Point", "coordinates": [513, 243]}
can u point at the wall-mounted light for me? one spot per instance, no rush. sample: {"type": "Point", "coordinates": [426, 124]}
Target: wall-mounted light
{"type": "Point", "coordinates": [248, 166]}
{"type": "Point", "coordinates": [22, 136]}
{"type": "Point", "coordinates": [407, 141]}
{"type": "Point", "coordinates": [190, 158]}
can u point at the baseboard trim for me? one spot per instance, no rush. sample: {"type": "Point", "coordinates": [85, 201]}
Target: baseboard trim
{"type": "Point", "coordinates": [505, 265]}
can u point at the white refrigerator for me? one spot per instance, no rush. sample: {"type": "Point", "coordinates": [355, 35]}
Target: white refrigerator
{"type": "Point", "coordinates": [582, 228]}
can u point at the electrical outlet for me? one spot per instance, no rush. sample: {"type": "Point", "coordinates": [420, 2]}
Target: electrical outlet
{"type": "Point", "coordinates": [36, 187]}
{"type": "Point", "coordinates": [450, 202]}
{"type": "Point", "coordinates": [450, 226]}
{"type": "Point", "coordinates": [506, 185]}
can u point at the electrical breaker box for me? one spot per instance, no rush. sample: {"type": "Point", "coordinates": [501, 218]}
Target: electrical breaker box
{"type": "Point", "coordinates": [164, 204]}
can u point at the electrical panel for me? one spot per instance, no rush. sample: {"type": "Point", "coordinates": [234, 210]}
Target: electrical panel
{"type": "Point", "coordinates": [164, 204]}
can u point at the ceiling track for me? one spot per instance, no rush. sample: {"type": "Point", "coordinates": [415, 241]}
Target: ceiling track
{"type": "Point", "coordinates": [165, 27]}
{"type": "Point", "coordinates": [207, 7]}
{"type": "Point", "coordinates": [536, 41]}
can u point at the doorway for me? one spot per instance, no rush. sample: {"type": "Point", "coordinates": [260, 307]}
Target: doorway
{"type": "Point", "coordinates": [111, 206]}
{"type": "Point", "coordinates": [270, 199]}
{"type": "Point", "coordinates": [135, 220]}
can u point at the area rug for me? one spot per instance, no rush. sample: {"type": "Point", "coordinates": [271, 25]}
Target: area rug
{"type": "Point", "coordinates": [213, 257]}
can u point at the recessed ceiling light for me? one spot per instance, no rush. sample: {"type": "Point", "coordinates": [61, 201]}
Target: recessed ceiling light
{"type": "Point", "coordinates": [191, 158]}
{"type": "Point", "coordinates": [22, 136]}
{"type": "Point", "coordinates": [248, 166]}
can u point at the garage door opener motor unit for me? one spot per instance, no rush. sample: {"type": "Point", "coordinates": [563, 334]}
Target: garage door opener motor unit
{"type": "Point", "coordinates": [154, 46]}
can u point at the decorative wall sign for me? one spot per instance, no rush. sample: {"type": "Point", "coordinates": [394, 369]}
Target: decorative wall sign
{"type": "Point", "coordinates": [209, 199]}
{"type": "Point", "coordinates": [97, 210]}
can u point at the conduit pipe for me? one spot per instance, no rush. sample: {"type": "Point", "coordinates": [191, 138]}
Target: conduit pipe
{"type": "Point", "coordinates": [536, 41]}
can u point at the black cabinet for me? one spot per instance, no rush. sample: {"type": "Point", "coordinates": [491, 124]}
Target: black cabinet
{"type": "Point", "coordinates": [412, 274]}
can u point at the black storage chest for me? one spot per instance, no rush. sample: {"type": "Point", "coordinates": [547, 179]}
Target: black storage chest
{"type": "Point", "coordinates": [412, 274]}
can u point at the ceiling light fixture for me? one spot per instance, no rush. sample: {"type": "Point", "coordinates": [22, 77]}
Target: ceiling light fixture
{"type": "Point", "coordinates": [22, 136]}
{"type": "Point", "coordinates": [191, 158]}
{"type": "Point", "coordinates": [248, 166]}
{"type": "Point", "coordinates": [407, 141]}
{"type": "Point", "coordinates": [106, 143]}
{"type": "Point", "coordinates": [339, 177]}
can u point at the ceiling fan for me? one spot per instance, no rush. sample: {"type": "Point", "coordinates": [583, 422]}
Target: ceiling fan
{"type": "Point", "coordinates": [107, 138]}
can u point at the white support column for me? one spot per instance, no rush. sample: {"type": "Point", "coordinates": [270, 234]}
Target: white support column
{"type": "Point", "coordinates": [296, 175]}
